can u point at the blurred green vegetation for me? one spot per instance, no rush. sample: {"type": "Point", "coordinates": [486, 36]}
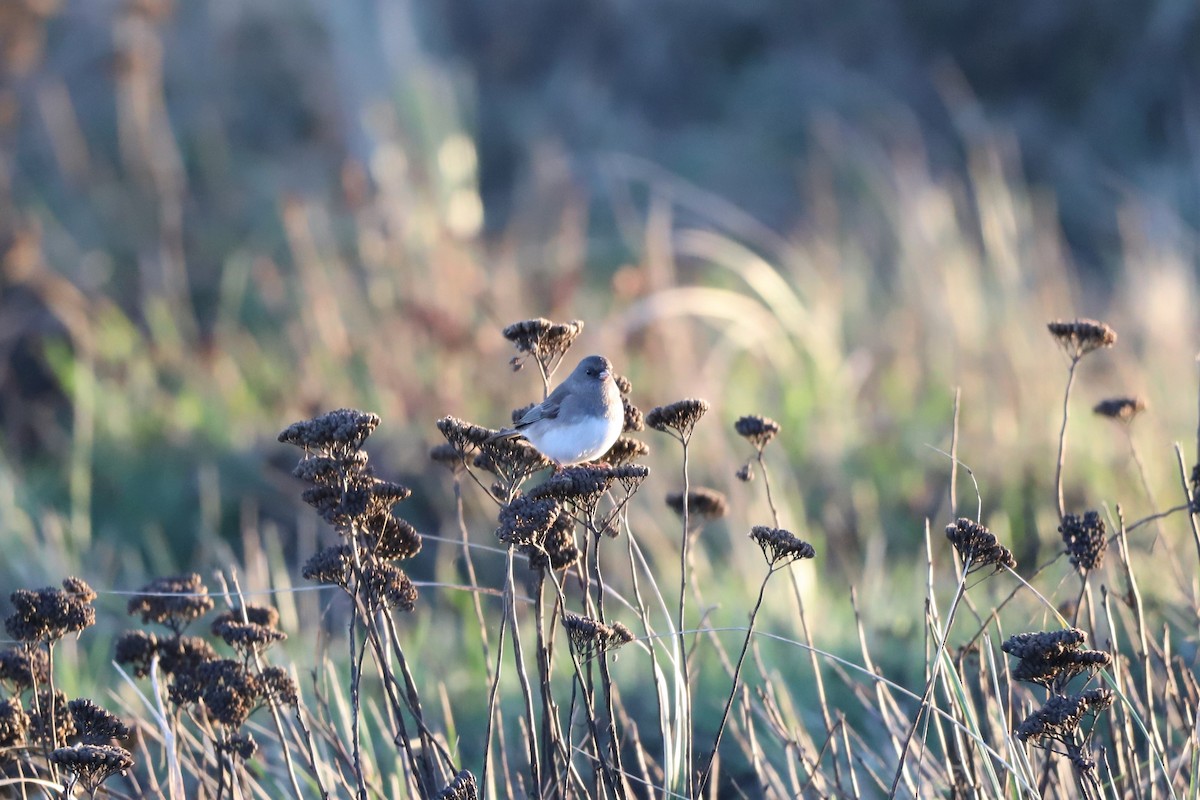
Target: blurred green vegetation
{"type": "Point", "coordinates": [218, 218]}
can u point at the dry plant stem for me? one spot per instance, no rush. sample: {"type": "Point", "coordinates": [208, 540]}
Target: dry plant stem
{"type": "Point", "coordinates": [737, 674]}
{"type": "Point", "coordinates": [685, 701]}
{"type": "Point", "coordinates": [954, 454]}
{"type": "Point", "coordinates": [605, 678]}
{"type": "Point", "coordinates": [549, 732]}
{"type": "Point", "coordinates": [1062, 439]}
{"type": "Point", "coordinates": [510, 608]}
{"type": "Point", "coordinates": [491, 714]}
{"type": "Point", "coordinates": [933, 677]}
{"type": "Point", "coordinates": [1187, 493]}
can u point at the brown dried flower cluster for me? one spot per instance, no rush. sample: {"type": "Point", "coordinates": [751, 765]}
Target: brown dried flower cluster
{"type": "Point", "coordinates": [462, 787]}
{"type": "Point", "coordinates": [679, 418]}
{"type": "Point", "coordinates": [1122, 409]}
{"type": "Point", "coordinates": [1079, 337]}
{"type": "Point", "coordinates": [250, 630]}
{"type": "Point", "coordinates": [1086, 539]}
{"type": "Point", "coordinates": [337, 433]}
{"type": "Point", "coordinates": [542, 338]}
{"type": "Point", "coordinates": [14, 723]}
{"type": "Point", "coordinates": [977, 546]}
{"type": "Point", "coordinates": [1059, 718]}
{"type": "Point", "coordinates": [558, 549]}
{"type": "Point", "coordinates": [90, 765]}
{"type": "Point", "coordinates": [780, 547]}
{"type": "Point", "coordinates": [1052, 658]}
{"type": "Point", "coordinates": [46, 615]}
{"type": "Point", "coordinates": [23, 666]}
{"type": "Point", "coordinates": [625, 450]}
{"type": "Point", "coordinates": [174, 601]}
{"type": "Point", "coordinates": [94, 724]}
{"type": "Point", "coordinates": [702, 503]}
{"type": "Point", "coordinates": [759, 431]}
{"type": "Point", "coordinates": [591, 637]}
{"type": "Point", "coordinates": [526, 520]}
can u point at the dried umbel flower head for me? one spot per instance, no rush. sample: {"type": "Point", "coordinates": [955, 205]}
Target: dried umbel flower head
{"type": "Point", "coordinates": [14, 723]}
{"type": "Point", "coordinates": [230, 692]}
{"type": "Point", "coordinates": [558, 550]}
{"type": "Point", "coordinates": [679, 418]}
{"type": "Point", "coordinates": [46, 615]}
{"type": "Point", "coordinates": [759, 431]}
{"type": "Point", "coordinates": [43, 719]}
{"type": "Point", "coordinates": [385, 585]}
{"type": "Point", "coordinates": [336, 432]}
{"type": "Point", "coordinates": [448, 456]}
{"type": "Point", "coordinates": [625, 451]}
{"type": "Point", "coordinates": [527, 519]}
{"type": "Point", "coordinates": [546, 341]}
{"type": "Point", "coordinates": [1085, 539]}
{"type": "Point", "coordinates": [90, 765]}
{"type": "Point", "coordinates": [246, 637]}
{"type": "Point", "coordinates": [1122, 409]}
{"type": "Point", "coordinates": [173, 602]}
{"type": "Point", "coordinates": [634, 421]}
{"type": "Point", "coordinates": [463, 787]}
{"type": "Point", "coordinates": [591, 636]}
{"type": "Point", "coordinates": [23, 666]}
{"type": "Point", "coordinates": [331, 565]}
{"type": "Point", "coordinates": [1079, 337]}
{"type": "Point", "coordinates": [94, 724]}
{"type": "Point", "coordinates": [1052, 658]}
{"type": "Point", "coordinates": [136, 649]}
{"type": "Point", "coordinates": [780, 547]}
{"type": "Point", "coordinates": [239, 745]}
{"type": "Point", "coordinates": [463, 436]}
{"type": "Point", "coordinates": [977, 546]}
{"type": "Point", "coordinates": [276, 683]}
{"type": "Point", "coordinates": [702, 503]}
{"type": "Point", "coordinates": [1059, 718]}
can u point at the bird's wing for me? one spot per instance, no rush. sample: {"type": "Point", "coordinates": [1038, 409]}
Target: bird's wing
{"type": "Point", "coordinates": [547, 409]}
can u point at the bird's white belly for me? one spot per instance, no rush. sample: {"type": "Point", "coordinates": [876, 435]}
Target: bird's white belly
{"type": "Point", "coordinates": [573, 444]}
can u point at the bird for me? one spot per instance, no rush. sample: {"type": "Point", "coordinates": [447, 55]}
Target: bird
{"type": "Point", "coordinates": [580, 420]}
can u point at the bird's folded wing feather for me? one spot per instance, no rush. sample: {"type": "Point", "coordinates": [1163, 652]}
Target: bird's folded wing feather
{"type": "Point", "coordinates": [547, 409]}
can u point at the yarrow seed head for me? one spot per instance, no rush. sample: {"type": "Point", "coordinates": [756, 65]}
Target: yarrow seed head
{"type": "Point", "coordinates": [23, 666]}
{"type": "Point", "coordinates": [780, 546]}
{"type": "Point", "coordinates": [173, 602]}
{"type": "Point", "coordinates": [759, 431]}
{"type": "Point", "coordinates": [462, 787]}
{"type": "Point", "coordinates": [96, 725]}
{"type": "Point", "coordinates": [46, 615]}
{"type": "Point", "coordinates": [1052, 658]}
{"type": "Point", "coordinates": [1122, 409]}
{"type": "Point", "coordinates": [1060, 716]}
{"type": "Point", "coordinates": [558, 550]}
{"type": "Point", "coordinates": [1081, 336]}
{"type": "Point", "coordinates": [634, 421]}
{"type": "Point", "coordinates": [385, 585]}
{"type": "Point", "coordinates": [680, 417]}
{"type": "Point", "coordinates": [1085, 539]}
{"type": "Point", "coordinates": [14, 723]}
{"type": "Point", "coordinates": [624, 451]}
{"type": "Point", "coordinates": [527, 519]}
{"type": "Point", "coordinates": [92, 764]}
{"type": "Point", "coordinates": [591, 636]}
{"type": "Point", "coordinates": [977, 546]}
{"type": "Point", "coordinates": [340, 431]}
{"type": "Point", "coordinates": [707, 504]}
{"type": "Point", "coordinates": [546, 341]}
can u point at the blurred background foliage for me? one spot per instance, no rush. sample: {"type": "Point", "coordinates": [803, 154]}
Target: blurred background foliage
{"type": "Point", "coordinates": [218, 217]}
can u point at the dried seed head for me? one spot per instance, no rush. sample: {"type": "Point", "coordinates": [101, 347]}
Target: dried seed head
{"type": "Point", "coordinates": [558, 550]}
{"type": "Point", "coordinates": [391, 538]}
{"type": "Point", "coordinates": [1123, 409]}
{"type": "Point", "coordinates": [541, 338]}
{"type": "Point", "coordinates": [977, 546]}
{"type": "Point", "coordinates": [759, 431]}
{"type": "Point", "coordinates": [581, 485]}
{"type": "Point", "coordinates": [173, 602]}
{"type": "Point", "coordinates": [463, 436]}
{"type": "Point", "coordinates": [448, 456]}
{"type": "Point", "coordinates": [46, 615]}
{"type": "Point", "coordinates": [1059, 718]}
{"type": "Point", "coordinates": [591, 636]}
{"type": "Point", "coordinates": [512, 460]}
{"type": "Point", "coordinates": [1052, 658]}
{"type": "Point", "coordinates": [14, 723]}
{"type": "Point", "coordinates": [239, 745]}
{"type": "Point", "coordinates": [184, 655]}
{"type": "Point", "coordinates": [92, 764]}
{"type": "Point", "coordinates": [136, 649]}
{"type": "Point", "coordinates": [463, 787]}
{"type": "Point", "coordinates": [276, 683]}
{"type": "Point", "coordinates": [24, 666]}
{"type": "Point", "coordinates": [527, 519]}
{"type": "Point", "coordinates": [625, 450]}
{"type": "Point", "coordinates": [1081, 336]}
{"type": "Point", "coordinates": [96, 725]}
{"type": "Point", "coordinates": [634, 421]}
{"type": "Point", "coordinates": [623, 385]}
{"type": "Point", "coordinates": [40, 717]}
{"type": "Point", "coordinates": [746, 473]}
{"type": "Point", "coordinates": [246, 638]}
{"type": "Point", "coordinates": [680, 417]}
{"type": "Point", "coordinates": [385, 585]}
{"type": "Point", "coordinates": [780, 546]}
{"type": "Point", "coordinates": [330, 565]}
{"type": "Point", "coordinates": [707, 504]}
{"type": "Point", "coordinates": [1085, 539]}
{"type": "Point", "coordinates": [229, 691]}
{"type": "Point", "coordinates": [334, 432]}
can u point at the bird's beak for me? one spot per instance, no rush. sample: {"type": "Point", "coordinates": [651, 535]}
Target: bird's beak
{"type": "Point", "coordinates": [604, 374]}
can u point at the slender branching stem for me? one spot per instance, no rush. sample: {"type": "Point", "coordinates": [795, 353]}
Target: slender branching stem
{"type": "Point", "coordinates": [1062, 439]}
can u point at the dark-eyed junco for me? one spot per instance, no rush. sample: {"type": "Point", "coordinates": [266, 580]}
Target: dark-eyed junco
{"type": "Point", "coordinates": [580, 419]}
